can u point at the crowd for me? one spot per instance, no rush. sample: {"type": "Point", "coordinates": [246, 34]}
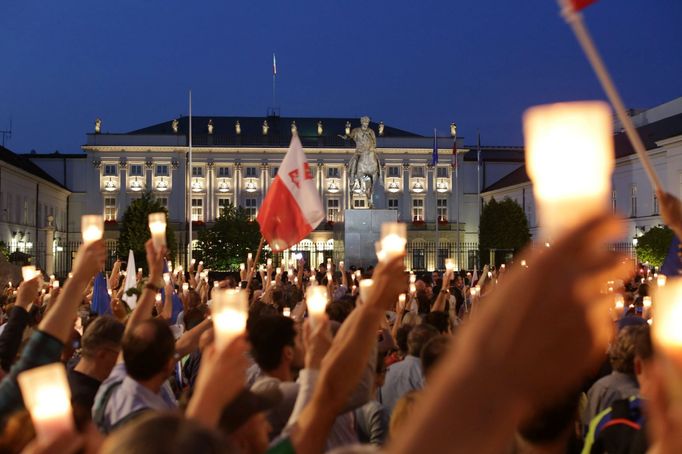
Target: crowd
{"type": "Point", "coordinates": [532, 357]}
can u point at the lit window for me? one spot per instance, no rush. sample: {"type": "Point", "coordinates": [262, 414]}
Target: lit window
{"type": "Point", "coordinates": [223, 204]}
{"type": "Point", "coordinates": [251, 208]}
{"type": "Point", "coordinates": [333, 211]}
{"type": "Point", "coordinates": [359, 203]}
{"type": "Point", "coordinates": [197, 209]}
{"type": "Point", "coordinates": [442, 207]}
{"type": "Point", "coordinates": [417, 209]}
{"type": "Point", "coordinates": [109, 209]}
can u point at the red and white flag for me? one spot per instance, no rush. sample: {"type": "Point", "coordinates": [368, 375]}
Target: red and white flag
{"type": "Point", "coordinates": [581, 4]}
{"type": "Point", "coordinates": [292, 207]}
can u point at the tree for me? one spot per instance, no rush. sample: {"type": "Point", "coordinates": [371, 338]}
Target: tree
{"type": "Point", "coordinates": [225, 245]}
{"type": "Point", "coordinates": [135, 229]}
{"type": "Point", "coordinates": [652, 247]}
{"type": "Point", "coordinates": [504, 226]}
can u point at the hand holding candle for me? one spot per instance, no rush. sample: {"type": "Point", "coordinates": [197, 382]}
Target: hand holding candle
{"type": "Point", "coordinates": [92, 227]}
{"type": "Point", "coordinates": [393, 240]}
{"type": "Point", "coordinates": [316, 300]}
{"type": "Point", "coordinates": [157, 225]}
{"type": "Point", "coordinates": [366, 289]}
{"type": "Point", "coordinates": [229, 310]}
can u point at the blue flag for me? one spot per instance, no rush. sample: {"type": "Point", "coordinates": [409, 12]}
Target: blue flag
{"type": "Point", "coordinates": [672, 263]}
{"type": "Point", "coordinates": [101, 301]}
{"type": "Point", "coordinates": [434, 155]}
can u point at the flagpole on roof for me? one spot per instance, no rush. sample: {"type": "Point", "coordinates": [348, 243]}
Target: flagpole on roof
{"type": "Point", "coordinates": [274, 79]}
{"type": "Point", "coordinates": [570, 12]}
{"type": "Point", "coordinates": [189, 186]}
{"type": "Point", "coordinates": [435, 169]}
{"type": "Point", "coordinates": [478, 178]}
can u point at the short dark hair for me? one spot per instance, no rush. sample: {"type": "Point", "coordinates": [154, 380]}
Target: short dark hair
{"type": "Point", "coordinates": [418, 337]}
{"type": "Point", "coordinates": [439, 320]}
{"type": "Point", "coordinates": [268, 336]}
{"type": "Point", "coordinates": [642, 340]}
{"type": "Point", "coordinates": [433, 351]}
{"type": "Point", "coordinates": [401, 337]}
{"type": "Point", "coordinates": [550, 422]}
{"type": "Point", "coordinates": [622, 351]}
{"type": "Point", "coordinates": [147, 348]}
{"type": "Point", "coordinates": [104, 331]}
{"type": "Point", "coordinates": [339, 310]}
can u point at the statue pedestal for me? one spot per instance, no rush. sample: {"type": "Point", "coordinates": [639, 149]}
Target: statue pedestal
{"type": "Point", "coordinates": [354, 238]}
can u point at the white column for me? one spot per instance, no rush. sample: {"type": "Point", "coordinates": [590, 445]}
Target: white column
{"type": "Point", "coordinates": [406, 208]}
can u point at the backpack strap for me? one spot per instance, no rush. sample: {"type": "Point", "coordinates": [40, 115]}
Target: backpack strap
{"type": "Point", "coordinates": [101, 406]}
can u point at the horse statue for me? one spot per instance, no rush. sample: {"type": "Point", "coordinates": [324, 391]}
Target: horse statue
{"type": "Point", "coordinates": [364, 168]}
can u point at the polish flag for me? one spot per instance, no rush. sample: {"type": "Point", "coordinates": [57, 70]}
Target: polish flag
{"type": "Point", "coordinates": [292, 207]}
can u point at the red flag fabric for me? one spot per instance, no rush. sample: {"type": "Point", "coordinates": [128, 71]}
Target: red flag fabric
{"type": "Point", "coordinates": [292, 208]}
{"type": "Point", "coordinates": [581, 4]}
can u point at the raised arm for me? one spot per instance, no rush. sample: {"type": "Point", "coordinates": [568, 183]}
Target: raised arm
{"type": "Point", "coordinates": [145, 304]}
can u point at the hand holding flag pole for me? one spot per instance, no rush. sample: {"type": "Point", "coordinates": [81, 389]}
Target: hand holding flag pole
{"type": "Point", "coordinates": [570, 10]}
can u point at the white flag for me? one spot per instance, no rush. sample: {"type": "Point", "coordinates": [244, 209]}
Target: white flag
{"type": "Point", "coordinates": [131, 281]}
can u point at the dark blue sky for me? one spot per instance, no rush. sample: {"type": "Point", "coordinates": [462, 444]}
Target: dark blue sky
{"type": "Point", "coordinates": [412, 64]}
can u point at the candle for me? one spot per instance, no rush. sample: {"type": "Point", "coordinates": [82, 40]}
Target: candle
{"type": "Point", "coordinates": [660, 280]}
{"type": "Point", "coordinates": [71, 275]}
{"type": "Point", "coordinates": [413, 289]}
{"type": "Point", "coordinates": [490, 274]}
{"type": "Point", "coordinates": [28, 272]}
{"type": "Point", "coordinates": [366, 289]}
{"type": "Point", "coordinates": [170, 265]}
{"type": "Point", "coordinates": [503, 266]}
{"type": "Point", "coordinates": [646, 302]}
{"type": "Point", "coordinates": [316, 300]}
{"type": "Point", "coordinates": [278, 270]}
{"type": "Point", "coordinates": [358, 274]}
{"type": "Point", "coordinates": [158, 297]}
{"type": "Point", "coordinates": [109, 292]}
{"type": "Point", "coordinates": [329, 277]}
{"type": "Point", "coordinates": [329, 263]}
{"type": "Point", "coordinates": [229, 310]}
{"type": "Point", "coordinates": [201, 263]}
{"type": "Point", "coordinates": [166, 278]}
{"type": "Point", "coordinates": [473, 291]}
{"type": "Point", "coordinates": [341, 264]}
{"type": "Point", "coordinates": [139, 270]}
{"type": "Point", "coordinates": [286, 312]}
{"type": "Point", "coordinates": [185, 287]}
{"type": "Point", "coordinates": [157, 225]}
{"type": "Point", "coordinates": [92, 227]}
{"type": "Point", "coordinates": [216, 284]}
{"type": "Point", "coordinates": [523, 263]}
{"type": "Point", "coordinates": [402, 298]}
{"type": "Point", "coordinates": [242, 267]}
{"type": "Point", "coordinates": [619, 302]}
{"type": "Point", "coordinates": [413, 278]}
{"type": "Point", "coordinates": [55, 284]}
{"type": "Point", "coordinates": [51, 277]}
{"type": "Point", "coordinates": [193, 261]}
{"type": "Point", "coordinates": [564, 140]}
{"type": "Point", "coordinates": [269, 262]}
{"type": "Point", "coordinates": [393, 239]}
{"type": "Point", "coordinates": [48, 398]}
{"type": "Point", "coordinates": [666, 331]}
{"type": "Point", "coordinates": [295, 280]}
{"type": "Point", "coordinates": [10, 284]}
{"type": "Point", "coordinates": [449, 264]}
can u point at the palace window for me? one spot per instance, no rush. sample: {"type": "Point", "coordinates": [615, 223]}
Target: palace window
{"type": "Point", "coordinates": [197, 171]}
{"type": "Point", "coordinates": [442, 208]}
{"type": "Point", "coordinates": [442, 172]}
{"type": "Point", "coordinates": [223, 172]}
{"type": "Point", "coordinates": [197, 209]}
{"type": "Point", "coordinates": [393, 204]}
{"type": "Point", "coordinates": [136, 170]}
{"type": "Point", "coordinates": [223, 204]}
{"type": "Point", "coordinates": [633, 201]}
{"type": "Point", "coordinates": [162, 170]}
{"type": "Point", "coordinates": [251, 172]}
{"type": "Point", "coordinates": [163, 201]}
{"type": "Point", "coordinates": [333, 172]}
{"type": "Point", "coordinates": [613, 201]}
{"type": "Point", "coordinates": [251, 208]}
{"type": "Point", "coordinates": [394, 171]}
{"type": "Point", "coordinates": [655, 204]}
{"type": "Point", "coordinates": [359, 203]}
{"type": "Point", "coordinates": [274, 171]}
{"type": "Point", "coordinates": [418, 172]}
{"type": "Point", "coordinates": [109, 208]}
{"type": "Point", "coordinates": [110, 170]}
{"type": "Point", "coordinates": [333, 211]}
{"type": "Point", "coordinates": [417, 209]}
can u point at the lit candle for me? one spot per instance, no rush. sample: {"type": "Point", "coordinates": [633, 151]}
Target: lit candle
{"type": "Point", "coordinates": [523, 263]}
{"type": "Point", "coordinates": [158, 297]}
{"type": "Point", "coordinates": [10, 284]}
{"type": "Point", "coordinates": [393, 239]}
{"type": "Point", "coordinates": [216, 284]}
{"type": "Point", "coordinates": [249, 256]}
{"type": "Point", "coordinates": [286, 312]}
{"type": "Point", "coordinates": [170, 265]}
{"type": "Point", "coordinates": [166, 278]}
{"type": "Point", "coordinates": [413, 289]}
{"type": "Point", "coordinates": [329, 263]}
{"type": "Point", "coordinates": [366, 289]}
{"type": "Point", "coordinates": [646, 302]}
{"type": "Point", "coordinates": [109, 292]}
{"type": "Point", "coordinates": [503, 266]}
{"type": "Point", "coordinates": [157, 225]}
{"type": "Point", "coordinates": [564, 140]}
{"type": "Point", "coordinates": [473, 291]}
{"type": "Point", "coordinates": [71, 275]}
{"type": "Point", "coordinates": [619, 302]}
{"type": "Point", "coordinates": [316, 300]}
{"type": "Point", "coordinates": [329, 277]}
{"type": "Point", "coordinates": [201, 263]}
{"type": "Point", "coordinates": [55, 284]}
{"type": "Point", "coordinates": [139, 270]}
{"type": "Point", "coordinates": [667, 335]}
{"type": "Point", "coordinates": [269, 262]}
{"type": "Point", "coordinates": [413, 278]}
{"type": "Point", "coordinates": [490, 274]}
{"type": "Point", "coordinates": [48, 398]}
{"type": "Point", "coordinates": [185, 287]}
{"type": "Point", "coordinates": [402, 298]}
{"type": "Point", "coordinates": [92, 227]}
{"type": "Point", "coordinates": [341, 264]}
{"type": "Point", "coordinates": [51, 277]}
{"type": "Point", "coordinates": [358, 274]}
{"type": "Point", "coordinates": [449, 264]}
{"type": "Point", "coordinates": [278, 270]}
{"type": "Point", "coordinates": [661, 279]}
{"type": "Point", "coordinates": [28, 272]}
{"type": "Point", "coordinates": [242, 267]}
{"type": "Point", "coordinates": [193, 261]}
{"type": "Point", "coordinates": [229, 310]}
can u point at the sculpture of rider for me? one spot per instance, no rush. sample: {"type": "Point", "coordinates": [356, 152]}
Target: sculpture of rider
{"type": "Point", "coordinates": [364, 167]}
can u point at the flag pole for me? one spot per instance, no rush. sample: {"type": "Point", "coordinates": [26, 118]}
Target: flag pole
{"type": "Point", "coordinates": [274, 79]}
{"type": "Point", "coordinates": [574, 19]}
{"type": "Point", "coordinates": [189, 186]}
{"type": "Point", "coordinates": [478, 184]}
{"type": "Point", "coordinates": [252, 268]}
{"type": "Point", "coordinates": [457, 192]}
{"type": "Point", "coordinates": [435, 151]}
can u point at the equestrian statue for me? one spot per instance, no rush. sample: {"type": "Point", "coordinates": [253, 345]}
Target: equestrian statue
{"type": "Point", "coordinates": [364, 168]}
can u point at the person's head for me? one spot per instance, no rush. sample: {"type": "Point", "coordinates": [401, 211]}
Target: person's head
{"type": "Point", "coordinates": [165, 433]}
{"type": "Point", "coordinates": [439, 320]}
{"type": "Point", "coordinates": [193, 317]}
{"type": "Point", "coordinates": [275, 343]}
{"type": "Point", "coordinates": [622, 351]}
{"type": "Point", "coordinates": [644, 353]}
{"type": "Point", "coordinates": [459, 282]}
{"type": "Point", "coordinates": [193, 299]}
{"type": "Point", "coordinates": [643, 290]}
{"type": "Point", "coordinates": [101, 342]}
{"type": "Point", "coordinates": [364, 121]}
{"type": "Point", "coordinates": [418, 337]}
{"type": "Point", "coordinates": [401, 337]}
{"type": "Point", "coordinates": [148, 350]}
{"type": "Point", "coordinates": [244, 420]}
{"type": "Point", "coordinates": [433, 352]}
{"type": "Point", "coordinates": [551, 423]}
{"type": "Point", "coordinates": [402, 412]}
{"type": "Point", "coordinates": [339, 310]}
{"type": "Point", "coordinates": [380, 370]}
